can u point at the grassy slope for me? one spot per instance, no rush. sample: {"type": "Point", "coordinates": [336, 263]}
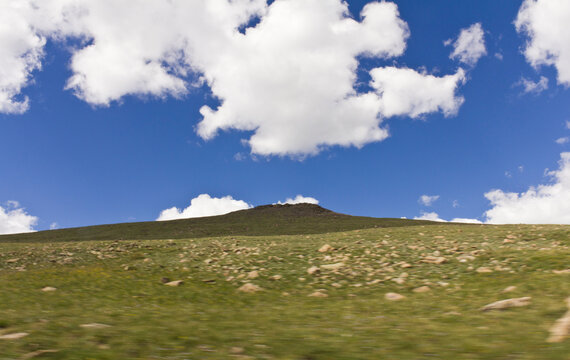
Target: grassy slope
{"type": "Point", "coordinates": [262, 220]}
{"type": "Point", "coordinates": [118, 283]}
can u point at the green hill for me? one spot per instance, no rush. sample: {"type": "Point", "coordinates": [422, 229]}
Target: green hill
{"type": "Point", "coordinates": [262, 220]}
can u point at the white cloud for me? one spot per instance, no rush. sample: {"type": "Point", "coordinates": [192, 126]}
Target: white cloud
{"type": "Point", "coordinates": [21, 54]}
{"type": "Point", "coordinates": [53, 226]}
{"type": "Point", "coordinates": [545, 23]}
{"type": "Point", "coordinates": [455, 204]}
{"type": "Point", "coordinates": [530, 86]}
{"type": "Point", "coordinates": [466, 221]}
{"type": "Point", "coordinates": [289, 79]}
{"type": "Point", "coordinates": [562, 140]}
{"type": "Point", "coordinates": [412, 93]}
{"type": "Point", "coordinates": [469, 46]}
{"type": "Point", "coordinates": [433, 216]}
{"type": "Point", "coordinates": [14, 219]}
{"type": "Point", "coordinates": [300, 199]}
{"type": "Point", "coordinates": [568, 125]}
{"type": "Point", "coordinates": [204, 205]}
{"type": "Point", "coordinates": [544, 204]}
{"type": "Point", "coordinates": [427, 200]}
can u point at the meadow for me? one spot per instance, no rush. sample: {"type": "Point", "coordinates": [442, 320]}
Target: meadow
{"type": "Point", "coordinates": [409, 291]}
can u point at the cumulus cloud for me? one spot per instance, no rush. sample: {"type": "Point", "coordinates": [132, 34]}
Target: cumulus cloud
{"type": "Point", "coordinates": [562, 140]}
{"type": "Point", "coordinates": [469, 46]}
{"type": "Point", "coordinates": [14, 219]}
{"type": "Point", "coordinates": [533, 87]}
{"type": "Point", "coordinates": [408, 92]}
{"type": "Point", "coordinates": [545, 23]}
{"type": "Point", "coordinates": [568, 125]}
{"type": "Point", "coordinates": [21, 52]}
{"type": "Point", "coordinates": [433, 216]}
{"type": "Point", "coordinates": [300, 199]}
{"type": "Point", "coordinates": [204, 205]}
{"type": "Point", "coordinates": [289, 78]}
{"type": "Point", "coordinates": [543, 204]}
{"type": "Point", "coordinates": [427, 200]}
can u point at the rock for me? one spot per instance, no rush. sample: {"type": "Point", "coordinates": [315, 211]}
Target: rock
{"type": "Point", "coordinates": [164, 280]}
{"type": "Point", "coordinates": [326, 248]}
{"type": "Point", "coordinates": [484, 270]}
{"type": "Point", "coordinates": [249, 288]}
{"type": "Point", "coordinates": [253, 274]}
{"type": "Point", "coordinates": [332, 266]}
{"type": "Point", "coordinates": [313, 270]}
{"type": "Point", "coordinates": [14, 336]}
{"type": "Point", "coordinates": [422, 289]}
{"type": "Point", "coordinates": [237, 350]}
{"type": "Point", "coordinates": [394, 296]}
{"type": "Point", "coordinates": [318, 293]}
{"type": "Point", "coordinates": [49, 289]}
{"type": "Point", "coordinates": [560, 272]}
{"type": "Point", "coordinates": [174, 283]}
{"type": "Point", "coordinates": [561, 328]}
{"type": "Point", "coordinates": [38, 353]}
{"type": "Point", "coordinates": [434, 260]}
{"type": "Point", "coordinates": [94, 326]}
{"type": "Point", "coordinates": [405, 265]}
{"type": "Point", "coordinates": [508, 303]}
{"type": "Point", "coordinates": [399, 281]}
{"type": "Point", "coordinates": [509, 289]}
{"type": "Point", "coordinates": [276, 277]}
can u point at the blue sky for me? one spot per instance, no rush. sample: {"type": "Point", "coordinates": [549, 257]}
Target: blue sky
{"type": "Point", "coordinates": [91, 154]}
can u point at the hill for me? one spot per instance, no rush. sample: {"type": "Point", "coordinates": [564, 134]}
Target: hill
{"type": "Point", "coordinates": [398, 292]}
{"type": "Point", "coordinates": [262, 220]}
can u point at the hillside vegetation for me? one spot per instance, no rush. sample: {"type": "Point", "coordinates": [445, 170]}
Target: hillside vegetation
{"type": "Point", "coordinates": [262, 220]}
{"type": "Point", "coordinates": [397, 292]}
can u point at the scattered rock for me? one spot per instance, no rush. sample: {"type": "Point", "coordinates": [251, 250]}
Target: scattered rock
{"type": "Point", "coordinates": [508, 303]}
{"type": "Point", "coordinates": [484, 270]}
{"type": "Point", "coordinates": [405, 265]}
{"type": "Point", "coordinates": [49, 289]}
{"type": "Point", "coordinates": [249, 288]}
{"type": "Point", "coordinates": [319, 293]}
{"type": "Point", "coordinates": [434, 260]}
{"type": "Point", "coordinates": [399, 281]}
{"type": "Point", "coordinates": [94, 326]}
{"type": "Point", "coordinates": [422, 289]}
{"type": "Point", "coordinates": [561, 328]}
{"type": "Point", "coordinates": [174, 283]}
{"type": "Point", "coordinates": [326, 248]}
{"type": "Point", "coordinates": [11, 261]}
{"type": "Point", "coordinates": [14, 336]}
{"type": "Point", "coordinates": [332, 266]}
{"type": "Point", "coordinates": [237, 350]}
{"type": "Point", "coordinates": [313, 270]}
{"type": "Point", "coordinates": [509, 289]}
{"type": "Point", "coordinates": [394, 296]}
{"type": "Point", "coordinates": [38, 353]}
{"type": "Point", "coordinates": [253, 274]}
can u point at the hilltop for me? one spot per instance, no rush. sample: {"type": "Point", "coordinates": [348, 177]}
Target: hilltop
{"type": "Point", "coordinates": [262, 220]}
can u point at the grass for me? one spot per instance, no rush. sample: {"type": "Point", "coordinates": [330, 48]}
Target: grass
{"type": "Point", "coordinates": [118, 283]}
